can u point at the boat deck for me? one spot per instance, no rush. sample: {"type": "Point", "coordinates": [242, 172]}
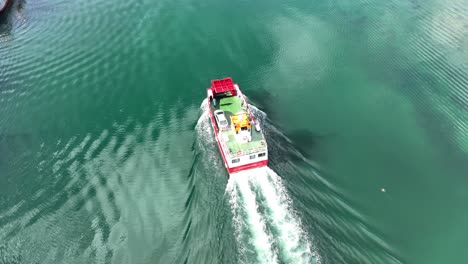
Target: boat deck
{"type": "Point", "coordinates": [232, 106]}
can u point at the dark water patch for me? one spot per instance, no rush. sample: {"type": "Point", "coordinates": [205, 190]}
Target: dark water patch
{"type": "Point", "coordinates": [264, 100]}
{"type": "Point", "coordinates": [187, 230]}
{"type": "Point", "coordinates": [190, 198]}
{"type": "Point", "coordinates": [308, 141]}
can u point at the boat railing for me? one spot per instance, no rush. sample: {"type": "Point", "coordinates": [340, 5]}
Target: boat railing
{"type": "Point", "coordinates": [239, 153]}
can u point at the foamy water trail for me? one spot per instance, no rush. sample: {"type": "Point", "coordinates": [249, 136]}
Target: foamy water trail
{"type": "Point", "coordinates": [292, 241]}
{"type": "Point", "coordinates": [275, 230]}
{"type": "Point", "coordinates": [246, 213]}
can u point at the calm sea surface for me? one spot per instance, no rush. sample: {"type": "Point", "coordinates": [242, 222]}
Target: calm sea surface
{"type": "Point", "coordinates": [107, 154]}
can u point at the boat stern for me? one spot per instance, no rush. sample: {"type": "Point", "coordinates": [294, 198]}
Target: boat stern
{"type": "Point", "coordinates": [249, 166]}
{"type": "Point", "coordinates": [246, 162]}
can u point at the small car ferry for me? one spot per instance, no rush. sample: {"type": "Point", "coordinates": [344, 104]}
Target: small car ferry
{"type": "Point", "coordinates": [239, 136]}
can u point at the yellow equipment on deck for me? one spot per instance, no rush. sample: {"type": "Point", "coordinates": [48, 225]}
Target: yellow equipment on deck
{"type": "Point", "coordinates": [240, 121]}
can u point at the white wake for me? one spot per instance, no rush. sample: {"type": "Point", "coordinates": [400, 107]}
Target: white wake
{"type": "Point", "coordinates": [262, 208]}
{"type": "Point", "coordinates": [248, 219]}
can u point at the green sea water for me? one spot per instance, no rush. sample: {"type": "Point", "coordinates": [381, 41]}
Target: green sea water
{"type": "Point", "coordinates": [107, 154]}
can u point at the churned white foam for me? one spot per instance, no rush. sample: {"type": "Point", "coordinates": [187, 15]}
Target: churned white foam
{"type": "Point", "coordinates": [245, 210]}
{"type": "Point", "coordinates": [292, 241]}
{"type": "Point", "coordinates": [204, 105]}
{"type": "Point", "coordinates": [276, 232]}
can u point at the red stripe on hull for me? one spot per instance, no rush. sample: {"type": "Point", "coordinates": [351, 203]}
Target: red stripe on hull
{"type": "Point", "coordinates": [232, 169]}
{"type": "Point", "coordinates": [5, 5]}
{"type": "Point", "coordinates": [257, 164]}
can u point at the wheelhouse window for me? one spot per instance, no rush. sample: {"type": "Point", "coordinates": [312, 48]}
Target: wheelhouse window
{"type": "Point", "coordinates": [261, 154]}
